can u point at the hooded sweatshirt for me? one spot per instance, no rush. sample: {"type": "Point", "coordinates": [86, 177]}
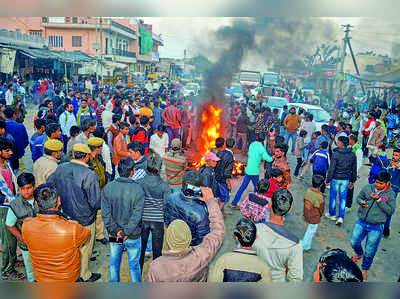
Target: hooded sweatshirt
{"type": "Point", "coordinates": [106, 116]}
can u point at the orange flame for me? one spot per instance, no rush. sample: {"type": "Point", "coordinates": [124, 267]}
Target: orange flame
{"type": "Point", "coordinates": [211, 128]}
{"type": "Point", "coordinates": [238, 168]}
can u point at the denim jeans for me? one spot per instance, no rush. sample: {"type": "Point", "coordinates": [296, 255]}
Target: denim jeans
{"type": "Point", "coordinates": [373, 233]}
{"type": "Point", "coordinates": [133, 248]}
{"type": "Point", "coordinates": [246, 180]}
{"type": "Point", "coordinates": [298, 166]}
{"type": "Point", "coordinates": [389, 218]}
{"type": "Point", "coordinates": [338, 186]}
{"type": "Point", "coordinates": [292, 136]}
{"type": "Point", "coordinates": [308, 236]}
{"type": "Point", "coordinates": [26, 255]}
{"type": "Point", "coordinates": [172, 134]}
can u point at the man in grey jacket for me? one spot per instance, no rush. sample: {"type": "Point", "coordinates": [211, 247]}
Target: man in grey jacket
{"type": "Point", "coordinates": [279, 247]}
{"type": "Point", "coordinates": [376, 203]}
{"type": "Point", "coordinates": [121, 208]}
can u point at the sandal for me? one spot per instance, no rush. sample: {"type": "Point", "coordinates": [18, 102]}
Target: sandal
{"type": "Point", "coordinates": [14, 275]}
{"type": "Point", "coordinates": [365, 276]}
{"type": "Point", "coordinates": [19, 264]}
{"type": "Point", "coordinates": [357, 258]}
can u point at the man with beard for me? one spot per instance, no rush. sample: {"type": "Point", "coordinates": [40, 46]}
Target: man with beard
{"type": "Point", "coordinates": [292, 123]}
{"type": "Point", "coordinates": [281, 162]}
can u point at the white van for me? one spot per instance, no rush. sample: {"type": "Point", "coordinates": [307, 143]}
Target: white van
{"type": "Point", "coordinates": [321, 117]}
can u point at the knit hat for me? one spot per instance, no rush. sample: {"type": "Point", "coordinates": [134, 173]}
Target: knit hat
{"type": "Point", "coordinates": [53, 145]}
{"type": "Point", "coordinates": [176, 143]}
{"type": "Point", "coordinates": [178, 235]}
{"type": "Point", "coordinates": [82, 148]}
{"type": "Point", "coordinates": [211, 156]}
{"type": "Point", "coordinates": [95, 141]}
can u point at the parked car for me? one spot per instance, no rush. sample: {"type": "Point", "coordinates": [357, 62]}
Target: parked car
{"type": "Point", "coordinates": [321, 117]}
{"type": "Point", "coordinates": [191, 89]}
{"type": "Point", "coordinates": [276, 102]}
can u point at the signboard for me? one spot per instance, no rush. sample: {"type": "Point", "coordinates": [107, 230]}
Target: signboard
{"type": "Point", "coordinates": [7, 60]}
{"type": "Point", "coordinates": [328, 73]}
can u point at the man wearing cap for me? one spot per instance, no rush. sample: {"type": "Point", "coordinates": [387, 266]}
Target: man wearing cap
{"type": "Point", "coordinates": [47, 164]}
{"type": "Point", "coordinates": [79, 191]}
{"type": "Point", "coordinates": [96, 163]}
{"type": "Point", "coordinates": [175, 164]}
{"type": "Point", "coordinates": [181, 262]}
{"type": "Point", "coordinates": [207, 172]}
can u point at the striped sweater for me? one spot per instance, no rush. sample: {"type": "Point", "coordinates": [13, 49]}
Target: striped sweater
{"type": "Point", "coordinates": [156, 192]}
{"type": "Point", "coordinates": [175, 164]}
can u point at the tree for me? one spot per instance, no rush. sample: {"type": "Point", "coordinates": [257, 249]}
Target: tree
{"type": "Point", "coordinates": [201, 63]}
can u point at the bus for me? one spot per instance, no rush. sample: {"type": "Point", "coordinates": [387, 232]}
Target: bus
{"type": "Point", "coordinates": [249, 79]}
{"type": "Point", "coordinates": [270, 79]}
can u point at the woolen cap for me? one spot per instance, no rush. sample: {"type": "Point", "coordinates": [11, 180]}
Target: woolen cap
{"type": "Point", "coordinates": [176, 143]}
{"type": "Point", "coordinates": [82, 148]}
{"type": "Point", "coordinates": [95, 141]}
{"type": "Point", "coordinates": [211, 156]}
{"type": "Point", "coordinates": [178, 235]}
{"type": "Point", "coordinates": [53, 145]}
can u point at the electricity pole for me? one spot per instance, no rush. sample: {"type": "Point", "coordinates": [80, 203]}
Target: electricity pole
{"type": "Point", "coordinates": [345, 39]}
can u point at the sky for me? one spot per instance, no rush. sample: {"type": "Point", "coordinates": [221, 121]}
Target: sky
{"type": "Point", "coordinates": [184, 33]}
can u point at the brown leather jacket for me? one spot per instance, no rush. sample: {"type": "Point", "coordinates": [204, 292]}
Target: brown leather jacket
{"type": "Point", "coordinates": [120, 148]}
{"type": "Point", "coordinates": [54, 242]}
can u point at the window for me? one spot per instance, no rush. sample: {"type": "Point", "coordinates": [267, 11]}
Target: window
{"type": "Point", "coordinates": [74, 20]}
{"type": "Point", "coordinates": [56, 41]}
{"type": "Point", "coordinates": [77, 41]}
{"type": "Point", "coordinates": [35, 33]}
{"type": "Point", "coordinates": [106, 46]}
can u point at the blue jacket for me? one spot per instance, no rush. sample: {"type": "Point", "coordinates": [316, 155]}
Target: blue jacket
{"type": "Point", "coordinates": [37, 146]}
{"type": "Point", "coordinates": [284, 114]}
{"type": "Point", "coordinates": [320, 161]}
{"type": "Point", "coordinates": [18, 131]}
{"type": "Point", "coordinates": [75, 103]}
{"type": "Point", "coordinates": [392, 121]}
{"type": "Point", "coordinates": [384, 163]}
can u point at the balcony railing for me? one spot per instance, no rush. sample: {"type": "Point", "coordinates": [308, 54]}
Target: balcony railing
{"type": "Point", "coordinates": [119, 52]}
{"type": "Point", "coordinates": [18, 38]}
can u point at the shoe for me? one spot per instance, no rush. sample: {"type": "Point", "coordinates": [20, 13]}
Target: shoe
{"type": "Point", "coordinates": [347, 210]}
{"type": "Point", "coordinates": [339, 221]}
{"type": "Point", "coordinates": [357, 258]}
{"type": "Point", "coordinates": [386, 232]}
{"type": "Point", "coordinates": [330, 217]}
{"type": "Point", "coordinates": [301, 178]}
{"type": "Point", "coordinates": [103, 241]}
{"type": "Point", "coordinates": [234, 207]}
{"type": "Point", "coordinates": [92, 259]}
{"type": "Point", "coordinates": [94, 277]}
{"type": "Point", "coordinates": [13, 276]}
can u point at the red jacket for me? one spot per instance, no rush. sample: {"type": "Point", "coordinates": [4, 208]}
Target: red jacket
{"type": "Point", "coordinates": [273, 186]}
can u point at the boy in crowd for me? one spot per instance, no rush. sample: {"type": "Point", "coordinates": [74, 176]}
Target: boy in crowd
{"type": "Point", "coordinates": [207, 172]}
{"type": "Point", "coordinates": [255, 206]}
{"type": "Point", "coordinates": [377, 201]}
{"type": "Point", "coordinates": [320, 161]}
{"type": "Point", "coordinates": [243, 264]}
{"type": "Point", "coordinates": [223, 170]}
{"type": "Point", "coordinates": [314, 206]}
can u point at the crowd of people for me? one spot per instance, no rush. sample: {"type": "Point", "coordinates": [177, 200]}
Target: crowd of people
{"type": "Point", "coordinates": [110, 166]}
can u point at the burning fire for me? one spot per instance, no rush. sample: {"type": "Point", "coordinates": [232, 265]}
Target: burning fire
{"type": "Point", "coordinates": [238, 168]}
{"type": "Point", "coordinates": [211, 128]}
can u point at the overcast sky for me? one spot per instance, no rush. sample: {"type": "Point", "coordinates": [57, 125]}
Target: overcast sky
{"type": "Point", "coordinates": [184, 33]}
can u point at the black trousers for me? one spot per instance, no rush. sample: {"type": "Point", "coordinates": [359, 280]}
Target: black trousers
{"type": "Point", "coordinates": [323, 174]}
{"type": "Point", "coordinates": [299, 162]}
{"type": "Point", "coordinates": [349, 198]}
{"type": "Point", "coordinates": [364, 145]}
{"type": "Point", "coordinates": [157, 234]}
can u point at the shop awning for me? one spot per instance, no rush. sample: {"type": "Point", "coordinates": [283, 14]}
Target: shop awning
{"type": "Point", "coordinates": [76, 57]}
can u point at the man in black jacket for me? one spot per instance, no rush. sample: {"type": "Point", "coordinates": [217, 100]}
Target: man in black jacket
{"type": "Point", "coordinates": [223, 170]}
{"type": "Point", "coordinates": [343, 173]}
{"type": "Point", "coordinates": [79, 192]}
{"type": "Point", "coordinates": [122, 203]}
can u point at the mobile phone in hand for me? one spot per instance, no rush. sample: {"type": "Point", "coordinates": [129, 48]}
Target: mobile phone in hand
{"type": "Point", "coordinates": [115, 240]}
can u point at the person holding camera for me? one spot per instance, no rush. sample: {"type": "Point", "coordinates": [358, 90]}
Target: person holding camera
{"type": "Point", "coordinates": [122, 202]}
{"type": "Point", "coordinates": [190, 251]}
{"type": "Point", "coordinates": [377, 201]}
